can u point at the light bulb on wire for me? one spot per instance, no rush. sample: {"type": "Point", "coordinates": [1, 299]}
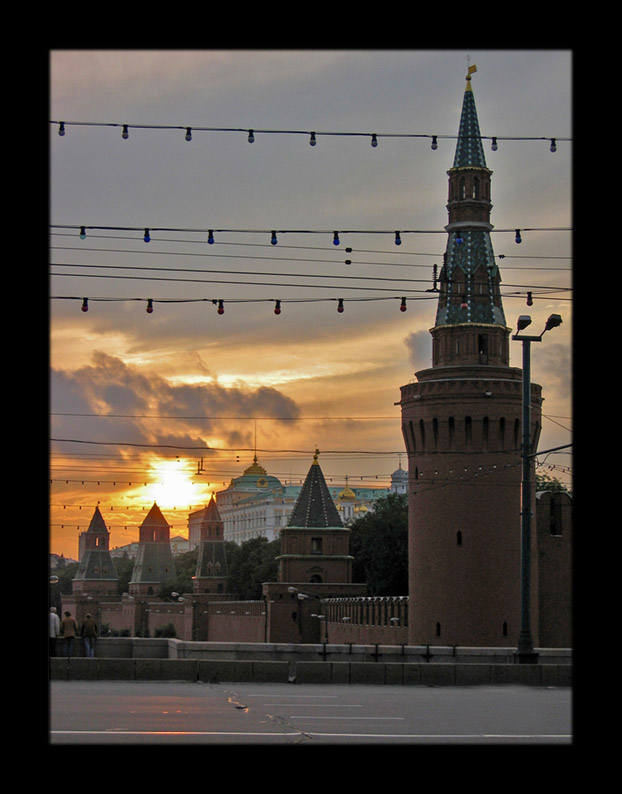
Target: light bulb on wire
{"type": "Point", "coordinates": [125, 134]}
{"type": "Point", "coordinates": [82, 232]}
{"type": "Point", "coordinates": [273, 239]}
{"type": "Point", "coordinates": [403, 305]}
{"type": "Point", "coordinates": [374, 140]}
{"type": "Point", "coordinates": [340, 306]}
{"type": "Point", "coordinates": [188, 133]}
{"type": "Point", "coordinates": [147, 236]}
{"type": "Point", "coordinates": [398, 239]}
{"type": "Point", "coordinates": [61, 128]}
{"type": "Point", "coordinates": [149, 309]}
{"type": "Point", "coordinates": [335, 238]}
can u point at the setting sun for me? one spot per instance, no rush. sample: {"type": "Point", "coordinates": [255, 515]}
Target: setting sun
{"type": "Point", "coordinates": [174, 486]}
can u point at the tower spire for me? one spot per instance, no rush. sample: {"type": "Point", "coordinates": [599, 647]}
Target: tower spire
{"type": "Point", "coordinates": [469, 281]}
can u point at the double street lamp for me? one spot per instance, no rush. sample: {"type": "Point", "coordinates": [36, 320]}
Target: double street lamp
{"type": "Point", "coordinates": [525, 649]}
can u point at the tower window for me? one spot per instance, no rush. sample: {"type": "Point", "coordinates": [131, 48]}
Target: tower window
{"type": "Point", "coordinates": [438, 629]}
{"type": "Point", "coordinates": [459, 538]}
{"type": "Point", "coordinates": [316, 545]}
{"type": "Point", "coordinates": [482, 348]}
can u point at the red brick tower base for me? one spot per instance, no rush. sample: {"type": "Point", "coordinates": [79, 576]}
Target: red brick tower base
{"type": "Point", "coordinates": [463, 436]}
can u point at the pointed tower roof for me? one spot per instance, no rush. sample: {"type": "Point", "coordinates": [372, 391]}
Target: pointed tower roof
{"type": "Point", "coordinates": [469, 279]}
{"type": "Point", "coordinates": [469, 149]}
{"type": "Point", "coordinates": [155, 518]}
{"type": "Point", "coordinates": [314, 507]}
{"type": "Point", "coordinates": [212, 513]}
{"type": "Point", "coordinates": [97, 525]}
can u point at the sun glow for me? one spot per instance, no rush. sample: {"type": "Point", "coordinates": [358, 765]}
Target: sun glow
{"type": "Point", "coordinates": [174, 486]}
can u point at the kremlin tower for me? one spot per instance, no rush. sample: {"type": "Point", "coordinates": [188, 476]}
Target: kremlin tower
{"type": "Point", "coordinates": [461, 421]}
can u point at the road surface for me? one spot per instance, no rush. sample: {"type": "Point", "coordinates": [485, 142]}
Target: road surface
{"type": "Point", "coordinates": [142, 712]}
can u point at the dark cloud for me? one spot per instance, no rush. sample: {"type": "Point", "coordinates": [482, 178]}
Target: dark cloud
{"type": "Point", "coordinates": [109, 386]}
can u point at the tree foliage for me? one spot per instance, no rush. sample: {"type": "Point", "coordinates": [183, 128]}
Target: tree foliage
{"type": "Point", "coordinates": [379, 545]}
{"type": "Point", "coordinates": [250, 565]}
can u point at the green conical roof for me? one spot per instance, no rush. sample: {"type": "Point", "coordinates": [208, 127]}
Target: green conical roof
{"type": "Point", "coordinates": [314, 507]}
{"type": "Point", "coordinates": [469, 149]}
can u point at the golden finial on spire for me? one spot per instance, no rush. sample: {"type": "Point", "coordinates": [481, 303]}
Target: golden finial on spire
{"type": "Point", "coordinates": [315, 457]}
{"type": "Point", "coordinates": [470, 71]}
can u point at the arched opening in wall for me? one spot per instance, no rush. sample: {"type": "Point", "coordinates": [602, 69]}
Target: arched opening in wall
{"type": "Point", "coordinates": [517, 438]}
{"type": "Point", "coordinates": [482, 348]}
{"type": "Point", "coordinates": [505, 628]}
{"type": "Point", "coordinates": [451, 427]}
{"type": "Point", "coordinates": [467, 431]}
{"type": "Point", "coordinates": [422, 433]}
{"type": "Point", "coordinates": [316, 578]}
{"type": "Point", "coordinates": [438, 629]}
{"type": "Point", "coordinates": [485, 432]}
{"type": "Point", "coordinates": [150, 591]}
{"type": "Point", "coordinates": [435, 433]}
{"type": "Point", "coordinates": [501, 432]}
{"type": "Point", "coordinates": [459, 538]}
{"type": "Point", "coordinates": [411, 437]}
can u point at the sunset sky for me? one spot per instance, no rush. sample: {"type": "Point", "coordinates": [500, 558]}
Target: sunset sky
{"type": "Point", "coordinates": [168, 406]}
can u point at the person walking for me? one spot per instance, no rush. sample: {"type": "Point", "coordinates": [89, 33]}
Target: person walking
{"type": "Point", "coordinates": [88, 631]}
{"type": "Point", "coordinates": [68, 630]}
{"type": "Point", "coordinates": [54, 630]}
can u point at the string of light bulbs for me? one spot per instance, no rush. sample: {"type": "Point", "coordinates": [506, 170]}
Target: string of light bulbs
{"type": "Point", "coordinates": [274, 233]}
{"type": "Point", "coordinates": [285, 247]}
{"type": "Point", "coordinates": [312, 135]}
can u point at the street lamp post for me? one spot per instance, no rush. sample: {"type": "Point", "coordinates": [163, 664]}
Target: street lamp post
{"type": "Point", "coordinates": [525, 648]}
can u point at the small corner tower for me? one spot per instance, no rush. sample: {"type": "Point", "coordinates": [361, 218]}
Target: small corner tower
{"type": "Point", "coordinates": [315, 544]}
{"type": "Point", "coordinates": [96, 574]}
{"type": "Point", "coordinates": [211, 571]}
{"type": "Point", "coordinates": [154, 560]}
{"type": "Point", "coordinates": [461, 421]}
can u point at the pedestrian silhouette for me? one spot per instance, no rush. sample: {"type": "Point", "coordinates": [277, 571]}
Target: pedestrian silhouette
{"type": "Point", "coordinates": [88, 631]}
{"type": "Point", "coordinates": [68, 630]}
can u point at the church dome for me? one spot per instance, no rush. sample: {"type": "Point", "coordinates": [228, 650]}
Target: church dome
{"type": "Point", "coordinates": [347, 494]}
{"type": "Point", "coordinates": [255, 477]}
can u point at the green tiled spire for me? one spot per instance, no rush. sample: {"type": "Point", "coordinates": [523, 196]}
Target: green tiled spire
{"type": "Point", "coordinates": [470, 278]}
{"type": "Point", "coordinates": [469, 150]}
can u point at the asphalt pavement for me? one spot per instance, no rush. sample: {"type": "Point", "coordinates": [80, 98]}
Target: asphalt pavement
{"type": "Point", "coordinates": [183, 713]}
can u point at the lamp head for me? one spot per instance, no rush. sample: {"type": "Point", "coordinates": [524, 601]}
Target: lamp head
{"type": "Point", "coordinates": [523, 321]}
{"type": "Point", "coordinates": [553, 321]}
